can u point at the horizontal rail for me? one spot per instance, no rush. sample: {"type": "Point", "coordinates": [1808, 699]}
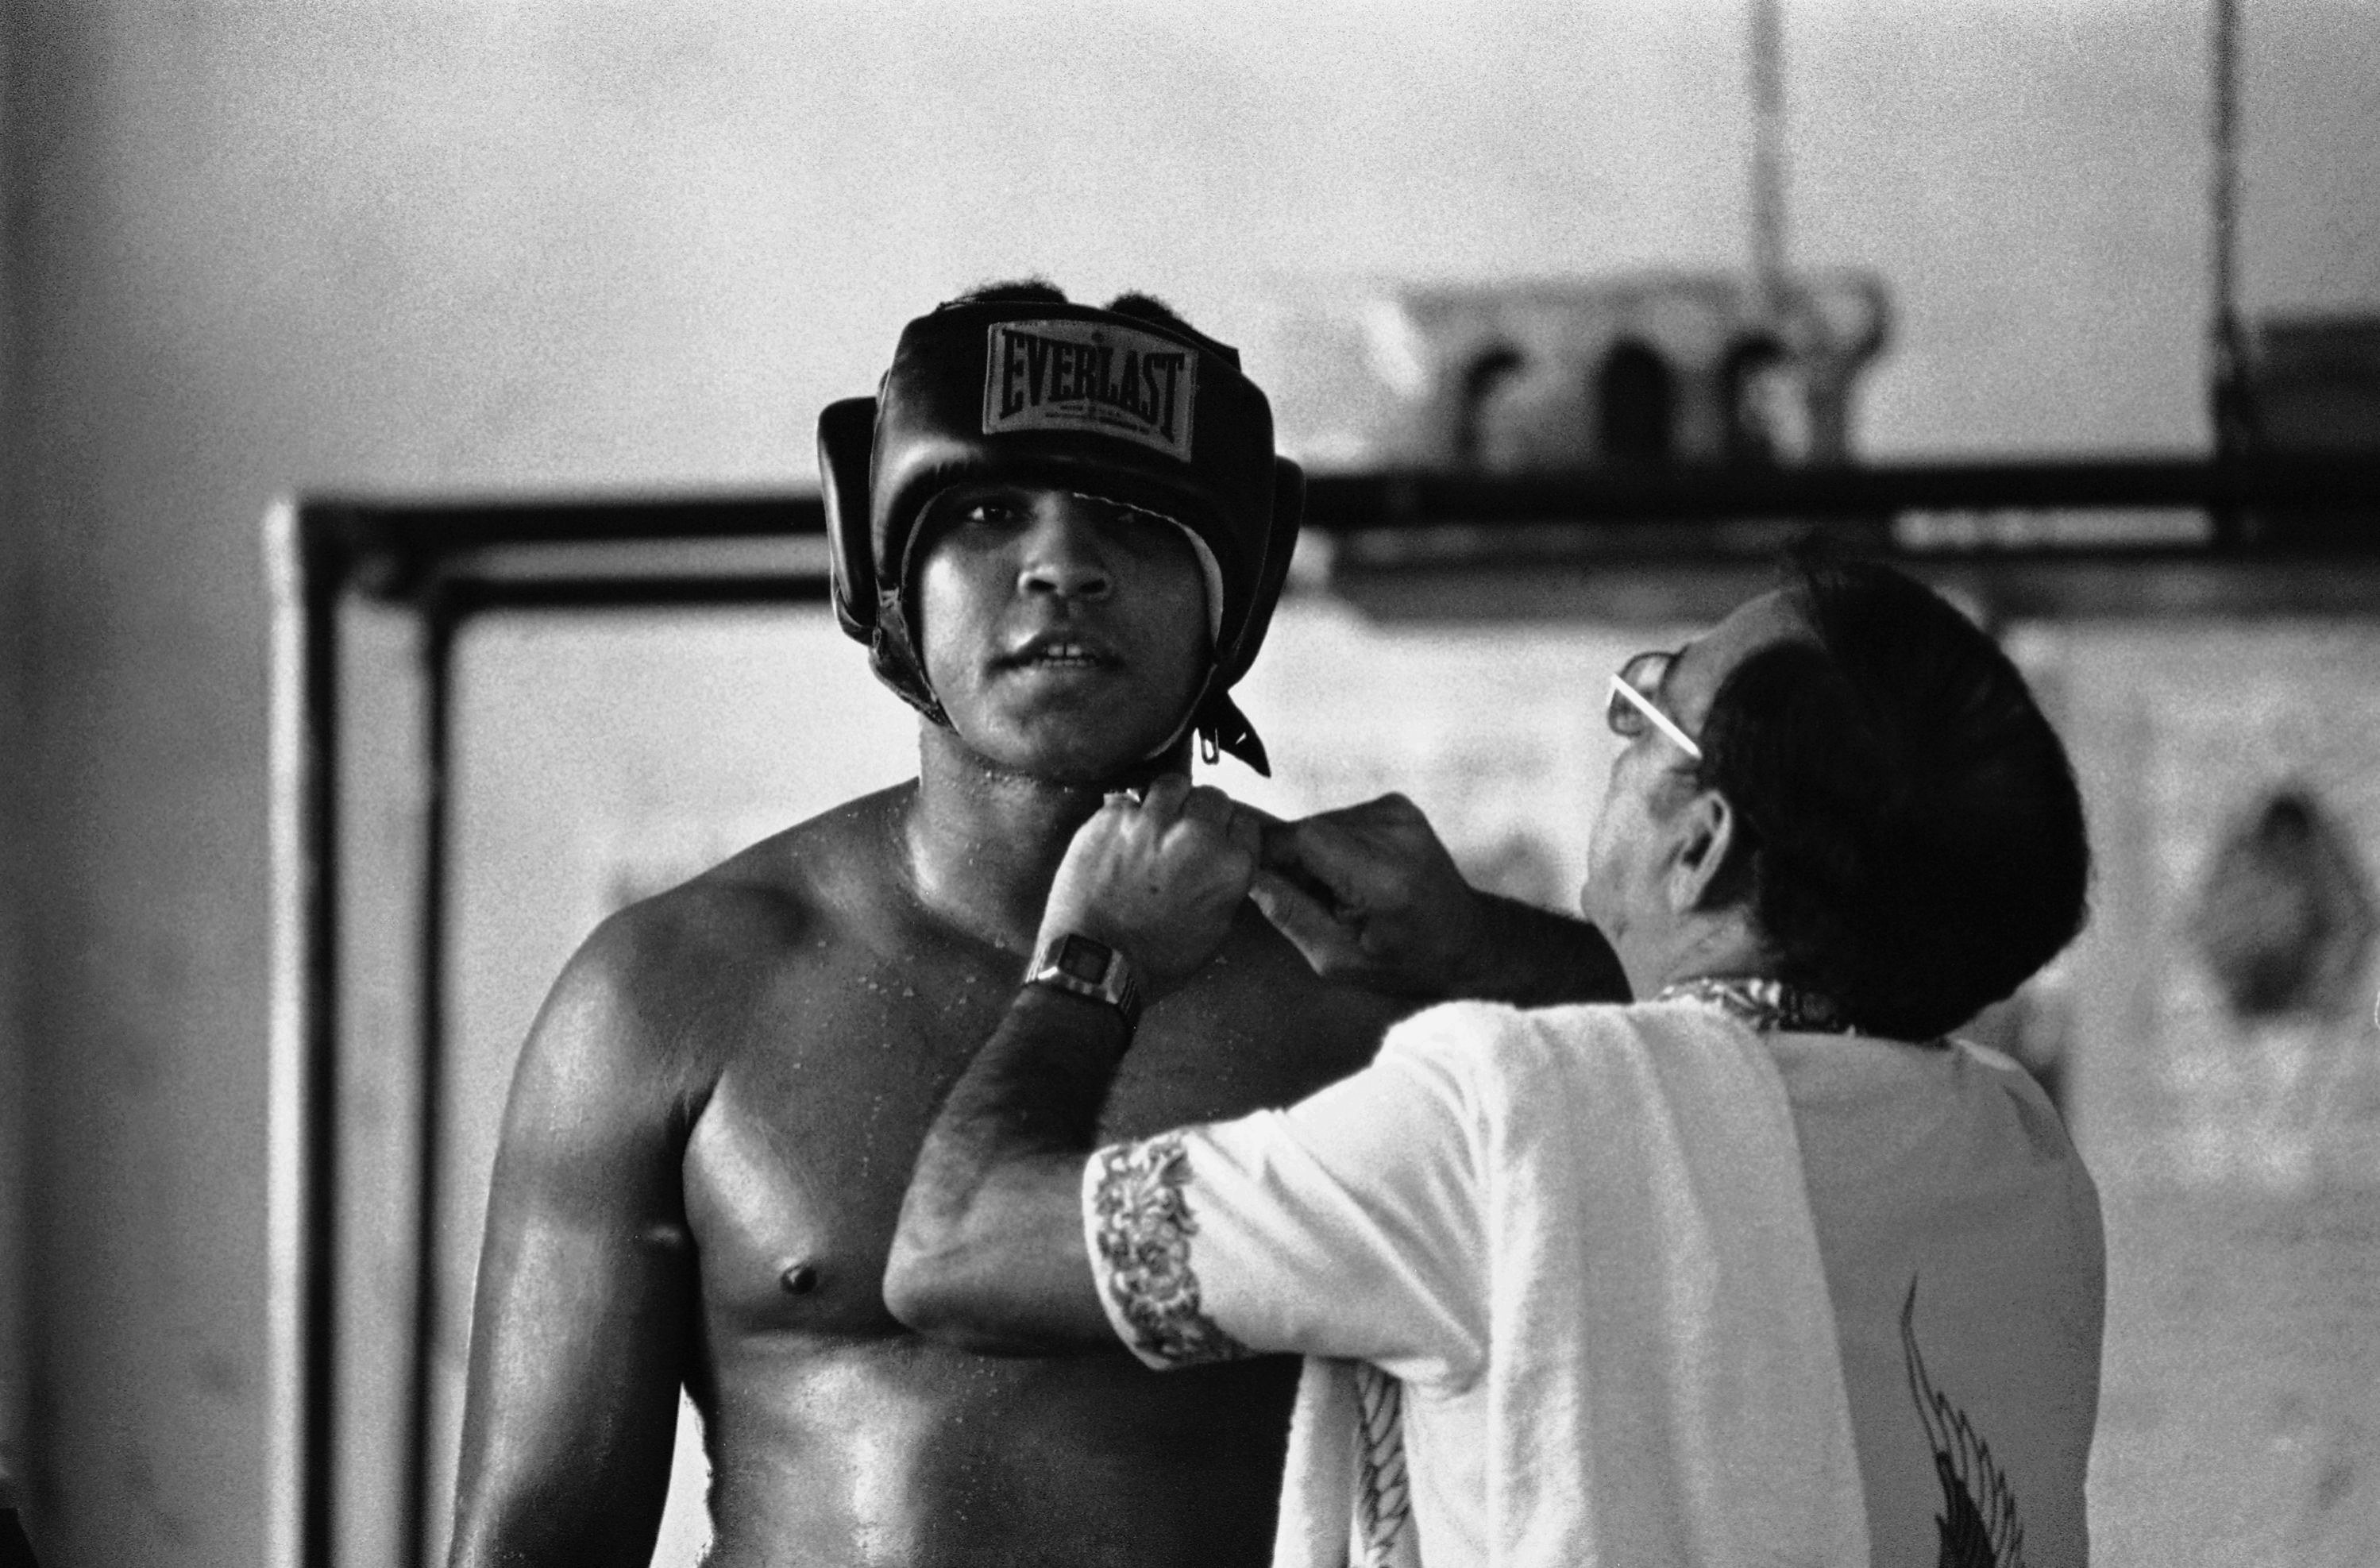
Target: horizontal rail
{"type": "Point", "coordinates": [2258, 507]}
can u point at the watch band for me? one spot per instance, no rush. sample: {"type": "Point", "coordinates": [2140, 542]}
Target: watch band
{"type": "Point", "coordinates": [1073, 962]}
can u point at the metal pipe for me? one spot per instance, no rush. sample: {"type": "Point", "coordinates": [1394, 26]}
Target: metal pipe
{"type": "Point", "coordinates": [300, 1225]}
{"type": "Point", "coordinates": [1767, 51]}
{"type": "Point", "coordinates": [2232, 405]}
{"type": "Point", "coordinates": [440, 623]}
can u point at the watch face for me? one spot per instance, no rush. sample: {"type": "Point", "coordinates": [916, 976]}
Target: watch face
{"type": "Point", "coordinates": [1080, 958]}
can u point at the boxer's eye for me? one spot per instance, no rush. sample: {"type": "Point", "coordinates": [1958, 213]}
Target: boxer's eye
{"type": "Point", "coordinates": [1135, 531]}
{"type": "Point", "coordinates": [992, 513]}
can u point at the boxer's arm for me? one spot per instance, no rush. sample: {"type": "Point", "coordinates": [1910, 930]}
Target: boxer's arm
{"type": "Point", "coordinates": [586, 1291]}
{"type": "Point", "coordinates": [989, 1253]}
{"type": "Point", "coordinates": [1370, 896]}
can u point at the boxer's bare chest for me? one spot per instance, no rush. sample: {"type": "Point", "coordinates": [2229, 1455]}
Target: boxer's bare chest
{"type": "Point", "coordinates": [836, 1022]}
{"type": "Point", "coordinates": [837, 1059]}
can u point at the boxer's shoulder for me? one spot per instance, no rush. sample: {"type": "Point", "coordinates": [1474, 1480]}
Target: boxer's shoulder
{"type": "Point", "coordinates": [837, 870]}
{"type": "Point", "coordinates": [821, 881]}
{"type": "Point", "coordinates": [672, 975]}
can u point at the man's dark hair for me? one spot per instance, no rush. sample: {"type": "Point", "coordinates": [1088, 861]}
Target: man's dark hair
{"type": "Point", "coordinates": [1013, 291]}
{"type": "Point", "coordinates": [1041, 291]}
{"type": "Point", "coordinates": [1917, 847]}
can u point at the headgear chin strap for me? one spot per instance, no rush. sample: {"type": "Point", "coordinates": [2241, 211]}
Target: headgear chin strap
{"type": "Point", "coordinates": [1108, 405]}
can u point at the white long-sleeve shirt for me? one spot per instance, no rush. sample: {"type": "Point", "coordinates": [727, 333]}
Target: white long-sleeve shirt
{"type": "Point", "coordinates": [1637, 1285]}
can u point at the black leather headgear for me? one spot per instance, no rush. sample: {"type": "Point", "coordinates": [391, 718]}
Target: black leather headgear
{"type": "Point", "coordinates": [1089, 400]}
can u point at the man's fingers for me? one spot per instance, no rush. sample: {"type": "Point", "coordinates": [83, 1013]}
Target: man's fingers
{"type": "Point", "coordinates": [1264, 816]}
{"type": "Point", "coordinates": [1162, 801]}
{"type": "Point", "coordinates": [1247, 829]}
{"type": "Point", "coordinates": [1205, 802]}
{"type": "Point", "coordinates": [1394, 807]}
{"type": "Point", "coordinates": [1277, 854]}
{"type": "Point", "coordinates": [1327, 854]}
{"type": "Point", "coordinates": [1304, 921]}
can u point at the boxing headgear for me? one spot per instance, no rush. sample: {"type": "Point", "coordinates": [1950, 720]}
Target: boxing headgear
{"type": "Point", "coordinates": [1093, 401]}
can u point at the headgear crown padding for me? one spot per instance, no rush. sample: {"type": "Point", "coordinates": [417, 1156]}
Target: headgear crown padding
{"type": "Point", "coordinates": [1089, 400]}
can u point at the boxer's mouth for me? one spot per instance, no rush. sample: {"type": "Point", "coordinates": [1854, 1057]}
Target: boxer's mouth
{"type": "Point", "coordinates": [1057, 651]}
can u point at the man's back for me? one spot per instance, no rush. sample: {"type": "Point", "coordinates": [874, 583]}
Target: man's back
{"type": "Point", "coordinates": [1597, 1266]}
{"type": "Point", "coordinates": [708, 1141]}
{"type": "Point", "coordinates": [1961, 1240]}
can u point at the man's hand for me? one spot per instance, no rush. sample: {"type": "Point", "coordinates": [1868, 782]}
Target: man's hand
{"type": "Point", "coordinates": [1370, 896]}
{"type": "Point", "coordinates": [989, 1253]}
{"type": "Point", "coordinates": [1159, 878]}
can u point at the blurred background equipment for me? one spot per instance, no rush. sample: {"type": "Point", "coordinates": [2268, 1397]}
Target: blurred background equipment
{"type": "Point", "coordinates": [2285, 915]}
{"type": "Point", "coordinates": [2314, 380]}
{"type": "Point", "coordinates": [1646, 372]}
{"type": "Point", "coordinates": [1756, 365]}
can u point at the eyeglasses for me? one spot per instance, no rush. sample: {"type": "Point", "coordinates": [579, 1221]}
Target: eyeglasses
{"type": "Point", "coordinates": [1630, 706]}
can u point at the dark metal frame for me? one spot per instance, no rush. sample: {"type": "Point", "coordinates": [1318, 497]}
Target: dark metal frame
{"type": "Point", "coordinates": [2282, 534]}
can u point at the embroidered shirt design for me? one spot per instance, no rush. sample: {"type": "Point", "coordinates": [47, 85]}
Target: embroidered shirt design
{"type": "Point", "coordinates": [1763, 1005]}
{"type": "Point", "coordinates": [1144, 1230]}
{"type": "Point", "coordinates": [1978, 1525]}
{"type": "Point", "coordinates": [1383, 1498]}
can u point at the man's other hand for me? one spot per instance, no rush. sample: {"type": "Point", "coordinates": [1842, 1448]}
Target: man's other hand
{"type": "Point", "coordinates": [1370, 896]}
{"type": "Point", "coordinates": [1160, 879]}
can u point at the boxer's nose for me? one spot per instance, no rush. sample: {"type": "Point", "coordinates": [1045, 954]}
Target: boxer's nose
{"type": "Point", "coordinates": [1062, 554]}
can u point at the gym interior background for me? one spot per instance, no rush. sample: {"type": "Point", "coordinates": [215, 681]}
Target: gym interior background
{"type": "Point", "coordinates": [448, 250]}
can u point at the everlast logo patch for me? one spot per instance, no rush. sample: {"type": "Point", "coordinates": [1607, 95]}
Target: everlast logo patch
{"type": "Point", "coordinates": [1086, 376]}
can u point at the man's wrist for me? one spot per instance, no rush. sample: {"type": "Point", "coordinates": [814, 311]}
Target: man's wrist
{"type": "Point", "coordinates": [1534, 957]}
{"type": "Point", "coordinates": [1070, 1031]}
{"type": "Point", "coordinates": [1071, 964]}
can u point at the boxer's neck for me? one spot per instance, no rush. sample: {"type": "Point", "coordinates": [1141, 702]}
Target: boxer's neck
{"type": "Point", "coordinates": [983, 844]}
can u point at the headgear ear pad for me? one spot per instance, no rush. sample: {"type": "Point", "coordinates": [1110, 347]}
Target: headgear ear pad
{"type": "Point", "coordinates": [1063, 394]}
{"type": "Point", "coordinates": [846, 432]}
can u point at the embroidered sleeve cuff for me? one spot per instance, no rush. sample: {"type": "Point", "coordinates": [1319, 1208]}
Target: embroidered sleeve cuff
{"type": "Point", "coordinates": [1137, 1228]}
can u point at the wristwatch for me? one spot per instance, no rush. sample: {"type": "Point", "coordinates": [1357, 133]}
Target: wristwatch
{"type": "Point", "coordinates": [1073, 962]}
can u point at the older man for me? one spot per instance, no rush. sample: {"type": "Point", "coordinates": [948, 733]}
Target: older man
{"type": "Point", "coordinates": [1761, 1268]}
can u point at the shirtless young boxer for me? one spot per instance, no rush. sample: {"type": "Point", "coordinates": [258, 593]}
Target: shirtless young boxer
{"type": "Point", "coordinates": [1062, 532]}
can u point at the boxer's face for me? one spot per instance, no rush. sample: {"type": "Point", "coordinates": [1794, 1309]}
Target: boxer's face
{"type": "Point", "coordinates": [1066, 637]}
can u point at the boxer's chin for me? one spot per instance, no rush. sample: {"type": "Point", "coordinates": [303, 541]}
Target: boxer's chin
{"type": "Point", "coordinates": [1089, 746]}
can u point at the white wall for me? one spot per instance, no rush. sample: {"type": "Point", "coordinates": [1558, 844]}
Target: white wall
{"type": "Point", "coordinates": [269, 245]}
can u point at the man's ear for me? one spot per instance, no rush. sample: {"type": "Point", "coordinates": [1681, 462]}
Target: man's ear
{"type": "Point", "coordinates": [1710, 832]}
